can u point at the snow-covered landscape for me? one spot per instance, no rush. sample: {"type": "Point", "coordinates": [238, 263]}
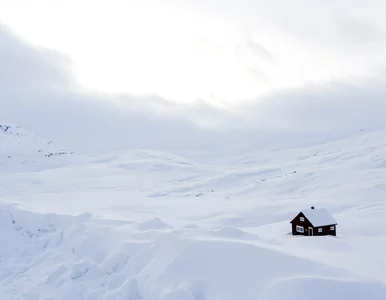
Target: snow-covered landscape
{"type": "Point", "coordinates": [145, 224]}
{"type": "Point", "coordinates": [192, 150]}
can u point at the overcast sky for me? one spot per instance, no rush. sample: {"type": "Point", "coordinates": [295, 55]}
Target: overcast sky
{"type": "Point", "coordinates": [219, 64]}
{"type": "Point", "coordinates": [210, 49]}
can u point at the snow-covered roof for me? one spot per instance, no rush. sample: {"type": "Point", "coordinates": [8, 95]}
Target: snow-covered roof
{"type": "Point", "coordinates": [319, 217]}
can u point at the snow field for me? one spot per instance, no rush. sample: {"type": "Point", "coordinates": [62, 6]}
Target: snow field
{"type": "Point", "coordinates": [64, 257]}
{"type": "Point", "coordinates": [145, 224]}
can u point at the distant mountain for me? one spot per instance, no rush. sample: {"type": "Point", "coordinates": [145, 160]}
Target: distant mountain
{"type": "Point", "coordinates": [20, 148]}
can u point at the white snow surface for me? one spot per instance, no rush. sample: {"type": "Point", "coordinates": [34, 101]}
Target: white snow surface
{"type": "Point", "coordinates": [22, 150]}
{"type": "Point", "coordinates": [150, 225]}
{"type": "Point", "coordinates": [319, 217]}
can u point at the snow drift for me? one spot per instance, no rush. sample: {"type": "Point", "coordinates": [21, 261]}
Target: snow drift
{"type": "Point", "coordinates": [50, 256]}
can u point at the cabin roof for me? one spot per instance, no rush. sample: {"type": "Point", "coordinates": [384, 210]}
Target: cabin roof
{"type": "Point", "coordinates": [319, 217]}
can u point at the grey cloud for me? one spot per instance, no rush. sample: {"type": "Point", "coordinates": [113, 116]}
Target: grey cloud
{"type": "Point", "coordinates": [358, 31]}
{"type": "Point", "coordinates": [21, 67]}
{"type": "Point", "coordinates": [255, 58]}
{"type": "Point", "coordinates": [330, 107]}
{"type": "Point", "coordinates": [36, 91]}
{"type": "Point", "coordinates": [254, 49]}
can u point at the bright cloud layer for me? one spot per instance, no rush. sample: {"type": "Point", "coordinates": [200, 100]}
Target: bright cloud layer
{"type": "Point", "coordinates": [222, 51]}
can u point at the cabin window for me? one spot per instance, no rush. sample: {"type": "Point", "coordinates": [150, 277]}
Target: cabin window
{"type": "Point", "coordinates": [302, 219]}
{"type": "Point", "coordinates": [300, 229]}
{"type": "Point", "coordinates": [332, 228]}
{"type": "Point", "coordinates": [320, 230]}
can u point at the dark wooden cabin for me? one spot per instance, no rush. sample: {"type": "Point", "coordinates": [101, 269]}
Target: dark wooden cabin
{"type": "Point", "coordinates": [313, 221]}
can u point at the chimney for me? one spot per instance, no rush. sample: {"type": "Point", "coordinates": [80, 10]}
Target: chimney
{"type": "Point", "coordinates": [312, 207]}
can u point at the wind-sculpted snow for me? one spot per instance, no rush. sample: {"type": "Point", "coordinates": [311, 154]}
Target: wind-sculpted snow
{"type": "Point", "coordinates": [63, 257]}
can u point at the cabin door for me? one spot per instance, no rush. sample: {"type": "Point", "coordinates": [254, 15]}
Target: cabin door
{"type": "Point", "coordinates": [310, 231]}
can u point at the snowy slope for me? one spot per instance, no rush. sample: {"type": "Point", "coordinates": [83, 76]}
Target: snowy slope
{"type": "Point", "coordinates": [145, 224]}
{"type": "Point", "coordinates": [20, 147]}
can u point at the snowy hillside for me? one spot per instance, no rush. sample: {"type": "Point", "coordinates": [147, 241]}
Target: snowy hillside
{"type": "Point", "coordinates": [19, 147]}
{"type": "Point", "coordinates": [150, 225]}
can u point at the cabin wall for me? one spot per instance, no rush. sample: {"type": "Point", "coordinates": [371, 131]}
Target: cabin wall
{"type": "Point", "coordinates": [305, 224]}
{"type": "Point", "coordinates": [326, 230]}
